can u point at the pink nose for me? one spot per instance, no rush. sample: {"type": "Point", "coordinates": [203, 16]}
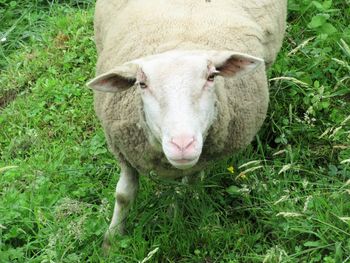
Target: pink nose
{"type": "Point", "coordinates": [183, 143]}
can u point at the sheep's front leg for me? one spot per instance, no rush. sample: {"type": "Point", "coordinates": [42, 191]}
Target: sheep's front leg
{"type": "Point", "coordinates": [126, 191]}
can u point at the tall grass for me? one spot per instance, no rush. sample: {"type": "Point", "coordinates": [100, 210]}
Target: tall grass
{"type": "Point", "coordinates": [283, 199]}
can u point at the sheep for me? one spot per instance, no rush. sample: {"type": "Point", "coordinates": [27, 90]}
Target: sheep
{"type": "Point", "coordinates": [180, 84]}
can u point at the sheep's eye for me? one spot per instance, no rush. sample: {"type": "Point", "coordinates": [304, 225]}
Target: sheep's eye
{"type": "Point", "coordinates": [211, 77]}
{"type": "Point", "coordinates": [142, 85]}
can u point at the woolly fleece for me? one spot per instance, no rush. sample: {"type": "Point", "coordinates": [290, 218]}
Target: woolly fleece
{"type": "Point", "coordinates": [129, 29]}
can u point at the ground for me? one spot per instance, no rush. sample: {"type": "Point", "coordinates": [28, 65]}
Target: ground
{"type": "Point", "coordinates": [283, 199]}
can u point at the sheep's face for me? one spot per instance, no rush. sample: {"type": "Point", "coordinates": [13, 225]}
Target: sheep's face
{"type": "Point", "coordinates": [179, 104]}
{"type": "Point", "coordinates": [178, 94]}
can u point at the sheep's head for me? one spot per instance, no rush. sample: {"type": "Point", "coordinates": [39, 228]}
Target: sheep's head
{"type": "Point", "coordinates": [178, 94]}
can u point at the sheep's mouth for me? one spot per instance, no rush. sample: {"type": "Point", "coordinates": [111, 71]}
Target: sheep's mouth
{"type": "Point", "coordinates": [183, 163]}
{"type": "Point", "coordinates": [183, 160]}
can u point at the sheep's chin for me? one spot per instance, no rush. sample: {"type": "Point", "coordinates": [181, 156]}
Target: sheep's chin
{"type": "Point", "coordinates": [183, 164]}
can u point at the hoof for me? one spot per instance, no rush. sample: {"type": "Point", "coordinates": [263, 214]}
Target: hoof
{"type": "Point", "coordinates": [106, 245]}
{"type": "Point", "coordinates": [109, 237]}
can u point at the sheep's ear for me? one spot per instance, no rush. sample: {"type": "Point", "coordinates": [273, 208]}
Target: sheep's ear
{"type": "Point", "coordinates": [117, 79]}
{"type": "Point", "coordinates": [231, 64]}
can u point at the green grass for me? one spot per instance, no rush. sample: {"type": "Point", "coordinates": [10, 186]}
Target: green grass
{"type": "Point", "coordinates": [286, 200]}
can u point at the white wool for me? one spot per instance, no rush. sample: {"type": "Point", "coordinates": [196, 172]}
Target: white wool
{"type": "Point", "coordinates": [130, 30]}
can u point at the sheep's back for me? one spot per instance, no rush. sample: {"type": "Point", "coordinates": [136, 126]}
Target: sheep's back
{"type": "Point", "coordinates": [127, 30]}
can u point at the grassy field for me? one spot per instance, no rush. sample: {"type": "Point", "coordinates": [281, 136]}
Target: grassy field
{"type": "Point", "coordinates": [286, 198]}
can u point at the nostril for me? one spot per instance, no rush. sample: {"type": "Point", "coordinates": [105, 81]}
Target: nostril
{"type": "Point", "coordinates": [176, 145]}
{"type": "Point", "coordinates": [183, 143]}
{"type": "Point", "coordinates": [189, 143]}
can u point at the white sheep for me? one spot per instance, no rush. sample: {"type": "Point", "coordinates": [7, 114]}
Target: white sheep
{"type": "Point", "coordinates": [181, 83]}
